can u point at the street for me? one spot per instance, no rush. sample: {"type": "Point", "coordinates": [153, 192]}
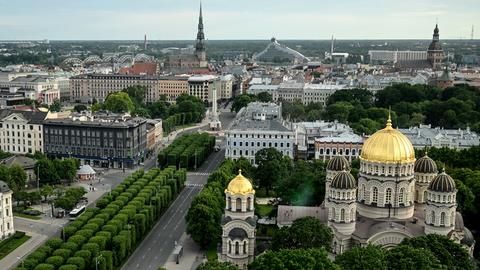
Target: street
{"type": "Point", "coordinates": [157, 246]}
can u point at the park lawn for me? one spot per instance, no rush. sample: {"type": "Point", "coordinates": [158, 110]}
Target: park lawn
{"type": "Point", "coordinates": [212, 252]}
{"type": "Point", "coordinates": [10, 244]}
{"type": "Point", "coordinates": [264, 209]}
{"type": "Point", "coordinates": [16, 214]}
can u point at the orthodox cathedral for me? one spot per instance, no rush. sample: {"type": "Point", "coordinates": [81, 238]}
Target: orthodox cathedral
{"type": "Point", "coordinates": [396, 196]}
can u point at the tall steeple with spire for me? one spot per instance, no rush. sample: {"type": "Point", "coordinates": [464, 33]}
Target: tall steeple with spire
{"type": "Point", "coordinates": [435, 51]}
{"type": "Point", "coordinates": [200, 44]}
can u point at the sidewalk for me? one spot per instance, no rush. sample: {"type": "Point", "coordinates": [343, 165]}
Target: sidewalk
{"type": "Point", "coordinates": [192, 255]}
{"type": "Point", "coordinates": [11, 260]}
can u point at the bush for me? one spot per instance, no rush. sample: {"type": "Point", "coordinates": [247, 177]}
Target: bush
{"type": "Point", "coordinates": [54, 242]}
{"type": "Point", "coordinates": [86, 255]}
{"type": "Point", "coordinates": [70, 245]}
{"type": "Point", "coordinates": [78, 261]}
{"type": "Point", "coordinates": [44, 266]}
{"type": "Point", "coordinates": [68, 267]}
{"type": "Point", "coordinates": [64, 253]}
{"type": "Point", "coordinates": [56, 261]}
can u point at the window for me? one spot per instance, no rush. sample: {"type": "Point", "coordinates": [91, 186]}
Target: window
{"type": "Point", "coordinates": [333, 213]}
{"type": "Point", "coordinates": [342, 215]}
{"type": "Point", "coordinates": [229, 203]}
{"type": "Point", "coordinates": [388, 196]}
{"type": "Point", "coordinates": [238, 205]}
{"type": "Point", "coordinates": [375, 195]}
{"type": "Point", "coordinates": [244, 247]}
{"type": "Point", "coordinates": [442, 219]}
{"type": "Point", "coordinates": [433, 217]}
{"type": "Point", "coordinates": [401, 193]}
{"type": "Point", "coordinates": [237, 248]}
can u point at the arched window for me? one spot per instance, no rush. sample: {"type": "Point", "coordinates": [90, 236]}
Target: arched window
{"type": "Point", "coordinates": [229, 206]}
{"type": "Point", "coordinates": [353, 152]}
{"type": "Point", "coordinates": [449, 198]}
{"type": "Point", "coordinates": [433, 217]}
{"type": "Point", "coordinates": [237, 248]}
{"type": "Point", "coordinates": [328, 151]}
{"type": "Point", "coordinates": [342, 215]}
{"type": "Point", "coordinates": [249, 203]}
{"type": "Point", "coordinates": [442, 219]}
{"type": "Point", "coordinates": [425, 195]}
{"type": "Point", "coordinates": [239, 204]}
{"type": "Point", "coordinates": [375, 195]}
{"type": "Point", "coordinates": [401, 194]}
{"type": "Point", "coordinates": [333, 213]}
{"type": "Point", "coordinates": [244, 247]}
{"type": "Point", "coordinates": [321, 151]}
{"type": "Point", "coordinates": [230, 247]}
{"type": "Point", "coordinates": [388, 196]}
{"type": "Point", "coordinates": [352, 215]}
{"type": "Point", "coordinates": [348, 195]}
{"type": "Point", "coordinates": [452, 219]}
{"type": "Point", "coordinates": [364, 192]}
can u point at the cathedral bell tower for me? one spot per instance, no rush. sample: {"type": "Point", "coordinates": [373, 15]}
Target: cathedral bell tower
{"type": "Point", "coordinates": [435, 51]}
{"type": "Point", "coordinates": [239, 223]}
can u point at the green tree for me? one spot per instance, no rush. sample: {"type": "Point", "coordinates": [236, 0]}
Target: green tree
{"type": "Point", "coordinates": [299, 259]}
{"type": "Point", "coordinates": [305, 232]}
{"type": "Point", "coordinates": [360, 258]}
{"type": "Point", "coordinates": [410, 258]}
{"type": "Point", "coordinates": [136, 93]}
{"type": "Point", "coordinates": [270, 167]}
{"type": "Point", "coordinates": [56, 106]}
{"type": "Point", "coordinates": [80, 108]}
{"type": "Point", "coordinates": [449, 253]}
{"type": "Point", "coordinates": [119, 102]}
{"type": "Point", "coordinates": [46, 191]}
{"type": "Point", "coordinates": [17, 179]}
{"type": "Point", "coordinates": [47, 171]}
{"type": "Point", "coordinates": [241, 101]}
{"type": "Point", "coordinates": [264, 97]}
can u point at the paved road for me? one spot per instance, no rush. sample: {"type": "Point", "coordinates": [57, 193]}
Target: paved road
{"type": "Point", "coordinates": [157, 246]}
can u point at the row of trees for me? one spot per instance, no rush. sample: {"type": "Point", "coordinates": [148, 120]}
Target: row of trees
{"type": "Point", "coordinates": [189, 151]}
{"type": "Point", "coordinates": [204, 215]}
{"type": "Point", "coordinates": [56, 170]}
{"type": "Point", "coordinates": [103, 237]}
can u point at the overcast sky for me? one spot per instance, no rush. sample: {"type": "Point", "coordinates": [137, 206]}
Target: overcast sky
{"type": "Point", "coordinates": [236, 19]}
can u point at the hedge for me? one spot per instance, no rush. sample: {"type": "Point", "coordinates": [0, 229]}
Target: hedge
{"type": "Point", "coordinates": [110, 232]}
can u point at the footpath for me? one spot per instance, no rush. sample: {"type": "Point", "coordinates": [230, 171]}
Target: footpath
{"type": "Point", "coordinates": [192, 255]}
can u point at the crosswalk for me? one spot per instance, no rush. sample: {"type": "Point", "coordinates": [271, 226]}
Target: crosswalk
{"type": "Point", "coordinates": [193, 185]}
{"type": "Point", "coordinates": [199, 173]}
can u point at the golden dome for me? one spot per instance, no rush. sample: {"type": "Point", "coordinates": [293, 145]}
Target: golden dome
{"type": "Point", "coordinates": [240, 185]}
{"type": "Point", "coordinates": [388, 146]}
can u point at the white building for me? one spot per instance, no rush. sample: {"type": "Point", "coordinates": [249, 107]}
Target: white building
{"type": "Point", "coordinates": [46, 88]}
{"type": "Point", "coordinates": [256, 89]}
{"type": "Point", "coordinates": [396, 56]}
{"type": "Point", "coordinates": [6, 214]}
{"type": "Point", "coordinates": [426, 136]}
{"type": "Point", "coordinates": [226, 86]}
{"type": "Point", "coordinates": [21, 132]}
{"type": "Point", "coordinates": [258, 126]}
{"type": "Point", "coordinates": [319, 93]}
{"type": "Point", "coordinates": [203, 86]}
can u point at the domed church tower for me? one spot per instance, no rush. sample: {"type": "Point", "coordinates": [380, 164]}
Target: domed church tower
{"type": "Point", "coordinates": [239, 222]}
{"type": "Point", "coordinates": [425, 170]}
{"type": "Point", "coordinates": [435, 51]}
{"type": "Point", "coordinates": [342, 208]}
{"type": "Point", "coordinates": [386, 180]}
{"type": "Point", "coordinates": [441, 205]}
{"type": "Point", "coordinates": [335, 165]}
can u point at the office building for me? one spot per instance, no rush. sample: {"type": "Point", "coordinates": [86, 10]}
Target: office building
{"type": "Point", "coordinates": [258, 126]}
{"type": "Point", "coordinates": [100, 140]}
{"type": "Point", "coordinates": [21, 132]}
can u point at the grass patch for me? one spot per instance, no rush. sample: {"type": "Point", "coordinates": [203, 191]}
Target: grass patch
{"type": "Point", "coordinates": [264, 209]}
{"type": "Point", "coordinates": [17, 214]}
{"type": "Point", "coordinates": [212, 252]}
{"type": "Point", "coordinates": [10, 244]}
{"type": "Point", "coordinates": [266, 230]}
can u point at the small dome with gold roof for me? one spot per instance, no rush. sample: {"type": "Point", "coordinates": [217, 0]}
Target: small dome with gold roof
{"type": "Point", "coordinates": [240, 185]}
{"type": "Point", "coordinates": [388, 146]}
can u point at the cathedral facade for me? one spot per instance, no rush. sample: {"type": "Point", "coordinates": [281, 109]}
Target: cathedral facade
{"type": "Point", "coordinates": [394, 197]}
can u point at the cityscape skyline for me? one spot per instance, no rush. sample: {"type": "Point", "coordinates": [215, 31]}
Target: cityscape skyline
{"type": "Point", "coordinates": [123, 20]}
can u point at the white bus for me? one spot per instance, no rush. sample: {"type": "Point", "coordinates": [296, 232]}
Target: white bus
{"type": "Point", "coordinates": [77, 211]}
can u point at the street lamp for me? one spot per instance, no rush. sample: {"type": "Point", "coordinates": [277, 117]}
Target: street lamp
{"type": "Point", "coordinates": [97, 261]}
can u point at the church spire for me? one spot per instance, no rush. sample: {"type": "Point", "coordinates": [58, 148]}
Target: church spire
{"type": "Point", "coordinates": [200, 34]}
{"type": "Point", "coordinates": [200, 44]}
